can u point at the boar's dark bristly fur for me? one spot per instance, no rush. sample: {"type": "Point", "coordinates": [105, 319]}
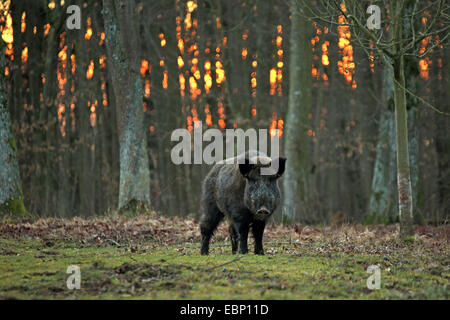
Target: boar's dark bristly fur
{"type": "Point", "coordinates": [239, 192]}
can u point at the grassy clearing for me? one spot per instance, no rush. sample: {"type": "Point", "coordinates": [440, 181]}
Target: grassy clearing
{"type": "Point", "coordinates": [300, 263]}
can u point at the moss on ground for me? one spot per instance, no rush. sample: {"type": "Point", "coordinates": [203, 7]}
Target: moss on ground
{"type": "Point", "coordinates": [36, 268]}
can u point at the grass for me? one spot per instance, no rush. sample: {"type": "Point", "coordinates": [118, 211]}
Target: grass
{"type": "Point", "coordinates": [317, 264]}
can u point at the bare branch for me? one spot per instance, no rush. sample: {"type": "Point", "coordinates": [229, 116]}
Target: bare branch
{"type": "Point", "coordinates": [421, 100]}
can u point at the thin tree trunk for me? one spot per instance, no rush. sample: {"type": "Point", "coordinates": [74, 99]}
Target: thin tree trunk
{"type": "Point", "coordinates": [405, 202]}
{"type": "Point", "coordinates": [123, 57]}
{"type": "Point", "coordinates": [403, 168]}
{"type": "Point", "coordinates": [296, 140]}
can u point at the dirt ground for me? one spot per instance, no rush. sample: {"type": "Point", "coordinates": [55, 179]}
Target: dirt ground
{"type": "Point", "coordinates": [153, 257]}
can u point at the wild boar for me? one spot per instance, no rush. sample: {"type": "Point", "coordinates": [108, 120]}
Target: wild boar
{"type": "Point", "coordinates": [241, 193]}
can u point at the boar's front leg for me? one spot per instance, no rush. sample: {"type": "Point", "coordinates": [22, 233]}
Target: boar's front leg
{"type": "Point", "coordinates": [233, 238]}
{"type": "Point", "coordinates": [242, 228]}
{"type": "Point", "coordinates": [258, 231]}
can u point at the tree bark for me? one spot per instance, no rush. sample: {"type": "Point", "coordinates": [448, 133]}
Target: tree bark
{"type": "Point", "coordinates": [403, 169]}
{"type": "Point", "coordinates": [123, 51]}
{"type": "Point", "coordinates": [296, 141]}
{"type": "Point", "coordinates": [11, 198]}
{"type": "Point", "coordinates": [405, 202]}
{"type": "Point", "coordinates": [381, 199]}
{"type": "Point", "coordinates": [395, 77]}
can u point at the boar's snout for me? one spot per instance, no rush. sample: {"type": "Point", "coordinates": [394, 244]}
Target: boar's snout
{"type": "Point", "coordinates": [262, 213]}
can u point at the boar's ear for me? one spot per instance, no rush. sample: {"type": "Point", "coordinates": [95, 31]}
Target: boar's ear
{"type": "Point", "coordinates": [246, 167]}
{"type": "Point", "coordinates": [281, 166]}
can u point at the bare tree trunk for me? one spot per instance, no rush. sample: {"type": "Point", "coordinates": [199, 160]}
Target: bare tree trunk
{"type": "Point", "coordinates": [403, 169]}
{"type": "Point", "coordinates": [123, 57]}
{"type": "Point", "coordinates": [413, 145]}
{"type": "Point", "coordinates": [11, 198]}
{"type": "Point", "coordinates": [381, 199]}
{"type": "Point", "coordinates": [411, 75]}
{"type": "Point", "coordinates": [296, 141]}
{"type": "Point", "coordinates": [405, 202]}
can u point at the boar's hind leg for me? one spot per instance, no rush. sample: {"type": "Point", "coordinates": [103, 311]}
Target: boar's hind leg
{"type": "Point", "coordinates": [209, 221]}
{"type": "Point", "coordinates": [258, 231]}
{"type": "Point", "coordinates": [233, 239]}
